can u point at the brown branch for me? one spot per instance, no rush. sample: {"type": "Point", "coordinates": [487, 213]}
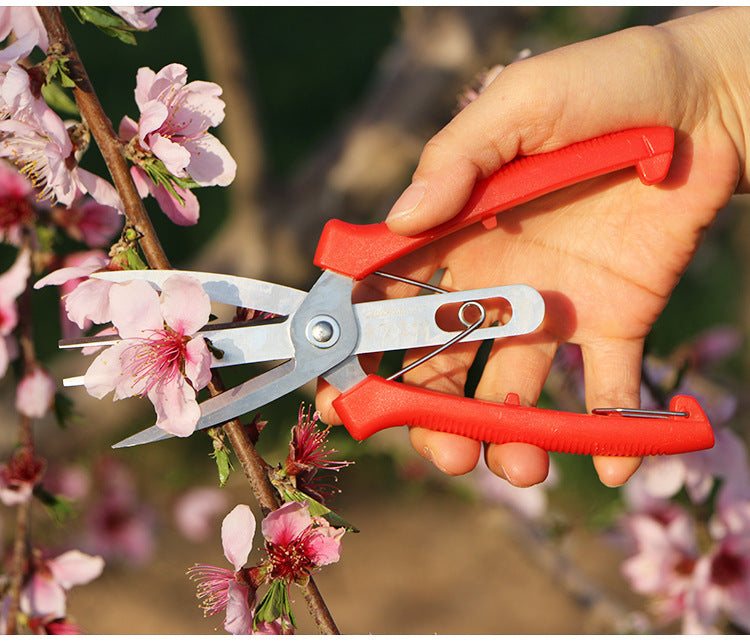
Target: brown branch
{"type": "Point", "coordinates": [254, 467]}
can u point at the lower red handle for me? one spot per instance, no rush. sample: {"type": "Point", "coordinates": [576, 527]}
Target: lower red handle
{"type": "Point", "coordinates": [375, 404]}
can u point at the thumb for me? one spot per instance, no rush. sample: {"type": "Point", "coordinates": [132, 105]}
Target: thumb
{"type": "Point", "coordinates": [534, 105]}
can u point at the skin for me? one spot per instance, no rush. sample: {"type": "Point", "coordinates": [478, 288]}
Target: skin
{"type": "Point", "coordinates": [606, 254]}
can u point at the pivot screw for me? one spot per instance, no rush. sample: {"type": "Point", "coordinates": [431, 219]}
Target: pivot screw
{"type": "Point", "coordinates": [323, 331]}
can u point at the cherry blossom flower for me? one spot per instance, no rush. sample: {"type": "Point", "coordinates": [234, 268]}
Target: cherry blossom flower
{"type": "Point", "coordinates": [35, 393]}
{"type": "Point", "coordinates": [16, 211]}
{"type": "Point", "coordinates": [666, 553]}
{"type": "Point", "coordinates": [36, 141]}
{"type": "Point", "coordinates": [297, 544]}
{"type": "Point", "coordinates": [119, 525]}
{"type": "Point", "coordinates": [88, 221]}
{"type": "Point", "coordinates": [45, 593]}
{"type": "Point", "coordinates": [308, 456]}
{"type": "Point", "coordinates": [19, 476]}
{"type": "Point", "coordinates": [195, 510]}
{"type": "Point", "coordinates": [142, 18]}
{"type": "Point", "coordinates": [174, 123]}
{"type": "Point", "coordinates": [85, 301]}
{"type": "Point", "coordinates": [157, 356]}
{"type": "Point", "coordinates": [228, 590]}
{"type": "Point", "coordinates": [12, 284]}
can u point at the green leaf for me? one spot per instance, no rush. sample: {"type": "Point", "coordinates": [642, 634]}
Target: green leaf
{"type": "Point", "coordinates": [64, 412]}
{"type": "Point", "coordinates": [109, 23]}
{"type": "Point", "coordinates": [56, 98]}
{"type": "Point", "coordinates": [57, 506]}
{"type": "Point", "coordinates": [275, 605]}
{"type": "Point", "coordinates": [221, 455]}
{"type": "Point", "coordinates": [317, 509]}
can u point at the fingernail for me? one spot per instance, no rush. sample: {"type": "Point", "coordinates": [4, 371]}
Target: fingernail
{"type": "Point", "coordinates": [430, 457]}
{"type": "Point", "coordinates": [407, 202]}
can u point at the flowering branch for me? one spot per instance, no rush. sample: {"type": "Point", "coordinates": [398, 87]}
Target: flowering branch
{"type": "Point", "coordinates": [255, 469]}
{"type": "Point", "coordinates": [91, 110]}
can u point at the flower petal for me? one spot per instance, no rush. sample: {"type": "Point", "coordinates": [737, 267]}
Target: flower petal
{"type": "Point", "coordinates": [135, 308]}
{"type": "Point", "coordinates": [198, 363]}
{"type": "Point", "coordinates": [237, 531]}
{"type": "Point", "coordinates": [286, 523]}
{"type": "Point", "coordinates": [210, 162]}
{"type": "Point", "coordinates": [74, 568]}
{"type": "Point", "coordinates": [177, 411]}
{"type": "Point", "coordinates": [184, 304]}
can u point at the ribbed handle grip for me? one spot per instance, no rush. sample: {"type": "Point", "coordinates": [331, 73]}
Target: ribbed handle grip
{"type": "Point", "coordinates": [359, 250]}
{"type": "Point", "coordinates": [375, 404]}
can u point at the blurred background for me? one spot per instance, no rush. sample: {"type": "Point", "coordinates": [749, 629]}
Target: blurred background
{"type": "Point", "coordinates": [327, 112]}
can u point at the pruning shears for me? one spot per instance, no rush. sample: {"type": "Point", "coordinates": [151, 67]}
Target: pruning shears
{"type": "Point", "coordinates": [320, 333]}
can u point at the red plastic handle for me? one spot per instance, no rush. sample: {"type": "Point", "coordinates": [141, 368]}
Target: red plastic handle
{"type": "Point", "coordinates": [375, 403]}
{"type": "Point", "coordinates": [359, 250]}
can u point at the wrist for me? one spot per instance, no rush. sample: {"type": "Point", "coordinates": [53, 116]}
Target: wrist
{"type": "Point", "coordinates": [715, 45]}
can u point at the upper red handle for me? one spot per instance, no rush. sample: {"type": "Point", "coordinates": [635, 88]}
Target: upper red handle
{"type": "Point", "coordinates": [359, 250]}
{"type": "Point", "coordinates": [375, 403]}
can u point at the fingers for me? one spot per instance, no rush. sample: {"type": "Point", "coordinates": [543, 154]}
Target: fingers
{"type": "Point", "coordinates": [516, 365]}
{"type": "Point", "coordinates": [446, 372]}
{"type": "Point", "coordinates": [612, 371]}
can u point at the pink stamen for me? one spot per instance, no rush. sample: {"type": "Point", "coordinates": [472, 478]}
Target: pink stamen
{"type": "Point", "coordinates": [158, 359]}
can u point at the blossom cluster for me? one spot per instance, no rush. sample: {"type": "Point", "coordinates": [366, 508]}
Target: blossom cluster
{"type": "Point", "coordinates": [686, 524]}
{"type": "Point", "coordinates": [57, 217]}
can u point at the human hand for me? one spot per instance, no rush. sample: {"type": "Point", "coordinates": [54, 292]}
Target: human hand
{"type": "Point", "coordinates": [605, 254]}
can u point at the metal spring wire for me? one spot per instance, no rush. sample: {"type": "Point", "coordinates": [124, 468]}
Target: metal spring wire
{"type": "Point", "coordinates": [469, 327]}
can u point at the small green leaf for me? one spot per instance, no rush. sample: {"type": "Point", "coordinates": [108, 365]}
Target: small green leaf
{"type": "Point", "coordinates": [57, 506]}
{"type": "Point", "coordinates": [220, 455]}
{"type": "Point", "coordinates": [275, 605]}
{"type": "Point", "coordinates": [109, 23]}
{"type": "Point", "coordinates": [56, 98]}
{"type": "Point", "coordinates": [64, 411]}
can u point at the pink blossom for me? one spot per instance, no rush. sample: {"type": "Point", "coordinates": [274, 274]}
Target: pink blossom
{"type": "Point", "coordinates": [35, 393]}
{"type": "Point", "coordinates": [224, 590]}
{"type": "Point", "coordinates": [663, 477]}
{"type": "Point", "coordinates": [36, 140]}
{"type": "Point", "coordinates": [88, 221]}
{"type": "Point", "coordinates": [157, 356]}
{"type": "Point", "coordinates": [297, 544]}
{"type": "Point", "coordinates": [664, 559]}
{"type": "Point", "coordinates": [45, 594]}
{"type": "Point", "coordinates": [19, 476]}
{"type": "Point", "coordinates": [16, 211]}
{"type": "Point", "coordinates": [83, 301]}
{"type": "Point", "coordinates": [141, 18]}
{"type": "Point", "coordinates": [309, 455]}
{"type": "Point", "coordinates": [119, 525]}
{"type": "Point", "coordinates": [12, 284]}
{"type": "Point", "coordinates": [24, 22]}
{"type": "Point", "coordinates": [195, 511]}
{"type": "Point", "coordinates": [174, 123]}
{"type": "Point", "coordinates": [722, 585]}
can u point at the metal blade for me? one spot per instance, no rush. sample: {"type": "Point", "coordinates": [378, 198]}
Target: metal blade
{"type": "Point", "coordinates": [222, 288]}
{"type": "Point", "coordinates": [246, 397]}
{"type": "Point", "coordinates": [332, 292]}
{"type": "Point", "coordinates": [237, 343]}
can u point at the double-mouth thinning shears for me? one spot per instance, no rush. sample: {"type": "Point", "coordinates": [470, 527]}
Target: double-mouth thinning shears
{"type": "Point", "coordinates": [321, 332]}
